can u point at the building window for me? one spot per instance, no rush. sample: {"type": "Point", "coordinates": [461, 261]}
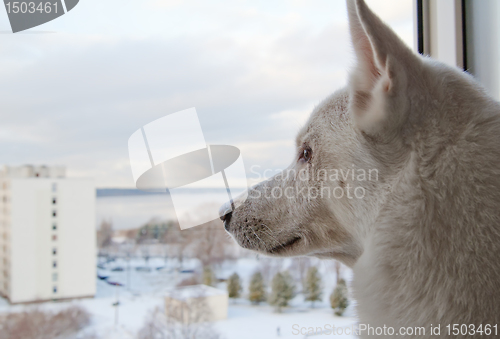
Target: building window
{"type": "Point", "coordinates": [54, 187]}
{"type": "Point", "coordinates": [54, 251]}
{"type": "Point", "coordinates": [54, 237]}
{"type": "Point", "coordinates": [54, 226]}
{"type": "Point", "coordinates": [54, 213]}
{"type": "Point", "coordinates": [54, 201]}
{"type": "Point", "coordinates": [54, 264]}
{"type": "Point", "coordinates": [54, 289]}
{"type": "Point", "coordinates": [54, 276]}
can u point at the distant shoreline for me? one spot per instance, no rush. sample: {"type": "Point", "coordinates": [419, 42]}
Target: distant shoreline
{"type": "Point", "coordinates": [122, 192]}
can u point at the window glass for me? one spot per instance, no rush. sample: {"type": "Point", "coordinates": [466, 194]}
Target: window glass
{"type": "Point", "coordinates": [482, 41]}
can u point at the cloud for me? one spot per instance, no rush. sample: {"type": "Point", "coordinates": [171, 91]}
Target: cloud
{"type": "Point", "coordinates": [254, 71]}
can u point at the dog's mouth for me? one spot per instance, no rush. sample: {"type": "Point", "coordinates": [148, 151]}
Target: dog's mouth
{"type": "Point", "coordinates": [285, 246]}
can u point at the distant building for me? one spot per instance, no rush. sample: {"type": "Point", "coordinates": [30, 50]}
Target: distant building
{"type": "Point", "coordinates": [47, 235]}
{"type": "Point", "coordinates": [197, 303]}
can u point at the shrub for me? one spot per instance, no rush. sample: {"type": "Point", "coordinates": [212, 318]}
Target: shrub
{"type": "Point", "coordinates": [208, 276]}
{"type": "Point", "coordinates": [234, 286]}
{"type": "Point", "coordinates": [37, 324]}
{"type": "Point", "coordinates": [338, 298]}
{"type": "Point", "coordinates": [193, 280]}
{"type": "Point", "coordinates": [313, 286]}
{"type": "Point", "coordinates": [282, 290]}
{"type": "Point", "coordinates": [257, 289]}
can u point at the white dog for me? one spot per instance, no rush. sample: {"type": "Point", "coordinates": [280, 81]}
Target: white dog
{"type": "Point", "coordinates": [398, 177]}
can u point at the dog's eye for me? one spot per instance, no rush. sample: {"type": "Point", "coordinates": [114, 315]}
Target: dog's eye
{"type": "Point", "coordinates": [306, 154]}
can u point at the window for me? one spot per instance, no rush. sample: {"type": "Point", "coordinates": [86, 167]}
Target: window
{"type": "Point", "coordinates": [54, 264]}
{"type": "Point", "coordinates": [54, 226]}
{"type": "Point", "coordinates": [54, 237]}
{"type": "Point", "coordinates": [54, 213]}
{"type": "Point", "coordinates": [463, 34]}
{"type": "Point", "coordinates": [54, 201]}
{"type": "Point", "coordinates": [54, 251]}
{"type": "Point", "coordinates": [54, 289]}
{"type": "Point", "coordinates": [54, 276]}
{"type": "Point", "coordinates": [54, 187]}
{"type": "Point", "coordinates": [482, 42]}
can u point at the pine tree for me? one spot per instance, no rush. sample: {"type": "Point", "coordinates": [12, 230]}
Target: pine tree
{"type": "Point", "coordinates": [257, 289]}
{"type": "Point", "coordinates": [208, 276]}
{"type": "Point", "coordinates": [283, 290]}
{"type": "Point", "coordinates": [312, 285]}
{"type": "Point", "coordinates": [338, 299]}
{"type": "Point", "coordinates": [234, 286]}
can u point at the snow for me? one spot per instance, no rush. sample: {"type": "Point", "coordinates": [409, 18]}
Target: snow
{"type": "Point", "coordinates": [250, 322]}
{"type": "Point", "coordinates": [194, 291]}
{"type": "Point", "coordinates": [144, 291]}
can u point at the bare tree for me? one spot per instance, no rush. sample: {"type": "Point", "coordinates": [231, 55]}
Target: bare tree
{"type": "Point", "coordinates": [211, 243]}
{"type": "Point", "coordinates": [178, 241]}
{"type": "Point", "coordinates": [105, 234]}
{"type": "Point", "coordinates": [269, 267]}
{"type": "Point", "coordinates": [208, 242]}
{"type": "Point", "coordinates": [299, 268]}
{"type": "Point", "coordinates": [338, 267]}
{"type": "Point", "coordinates": [187, 318]}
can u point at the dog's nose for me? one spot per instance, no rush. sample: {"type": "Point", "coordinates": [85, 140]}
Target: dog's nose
{"type": "Point", "coordinates": [226, 218]}
{"type": "Point", "coordinates": [225, 213]}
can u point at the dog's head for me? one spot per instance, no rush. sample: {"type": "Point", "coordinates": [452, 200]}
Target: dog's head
{"type": "Point", "coordinates": [354, 140]}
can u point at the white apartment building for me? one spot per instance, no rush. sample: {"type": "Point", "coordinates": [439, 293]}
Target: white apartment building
{"type": "Point", "coordinates": [47, 235]}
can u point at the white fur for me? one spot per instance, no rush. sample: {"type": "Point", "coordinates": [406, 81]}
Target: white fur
{"type": "Point", "coordinates": [424, 243]}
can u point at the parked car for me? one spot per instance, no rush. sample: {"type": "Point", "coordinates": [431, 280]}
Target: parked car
{"type": "Point", "coordinates": [143, 269]}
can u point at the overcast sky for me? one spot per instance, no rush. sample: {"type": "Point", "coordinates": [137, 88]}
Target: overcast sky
{"type": "Point", "coordinates": [75, 89]}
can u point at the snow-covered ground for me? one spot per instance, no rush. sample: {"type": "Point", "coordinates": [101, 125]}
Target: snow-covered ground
{"type": "Point", "coordinates": [143, 291]}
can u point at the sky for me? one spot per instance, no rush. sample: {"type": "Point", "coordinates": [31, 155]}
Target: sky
{"type": "Point", "coordinates": [75, 89]}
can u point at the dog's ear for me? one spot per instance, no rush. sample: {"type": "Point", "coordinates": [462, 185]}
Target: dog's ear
{"type": "Point", "coordinates": [379, 80]}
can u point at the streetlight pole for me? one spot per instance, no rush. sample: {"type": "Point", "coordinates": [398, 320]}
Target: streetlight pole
{"type": "Point", "coordinates": [117, 304]}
